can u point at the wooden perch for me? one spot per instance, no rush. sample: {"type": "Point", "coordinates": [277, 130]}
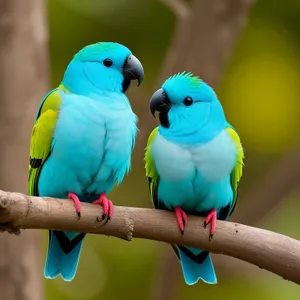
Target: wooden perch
{"type": "Point", "coordinates": [268, 250]}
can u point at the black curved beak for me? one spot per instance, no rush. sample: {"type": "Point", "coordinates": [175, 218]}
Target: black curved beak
{"type": "Point", "coordinates": [160, 102]}
{"type": "Point", "coordinates": [133, 69]}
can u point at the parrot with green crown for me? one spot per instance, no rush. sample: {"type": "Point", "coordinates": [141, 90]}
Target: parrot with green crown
{"type": "Point", "coordinates": [82, 140]}
{"type": "Point", "coordinates": [194, 162]}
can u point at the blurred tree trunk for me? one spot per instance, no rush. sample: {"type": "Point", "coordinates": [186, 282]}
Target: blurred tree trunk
{"type": "Point", "coordinates": [23, 82]}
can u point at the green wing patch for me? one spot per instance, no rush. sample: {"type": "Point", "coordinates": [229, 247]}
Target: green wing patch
{"type": "Point", "coordinates": [238, 169]}
{"type": "Point", "coordinates": [151, 172]}
{"type": "Point", "coordinates": [41, 138]}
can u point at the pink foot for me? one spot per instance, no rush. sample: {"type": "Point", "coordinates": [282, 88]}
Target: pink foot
{"type": "Point", "coordinates": [76, 201]}
{"type": "Point", "coordinates": [108, 208]}
{"type": "Point", "coordinates": [181, 218]}
{"type": "Point", "coordinates": [211, 218]}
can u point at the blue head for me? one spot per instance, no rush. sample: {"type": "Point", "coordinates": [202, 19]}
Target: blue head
{"type": "Point", "coordinates": [102, 67]}
{"type": "Point", "coordinates": [189, 110]}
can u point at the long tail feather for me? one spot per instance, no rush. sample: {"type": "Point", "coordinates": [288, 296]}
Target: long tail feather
{"type": "Point", "coordinates": [193, 270]}
{"type": "Point", "coordinates": [61, 260]}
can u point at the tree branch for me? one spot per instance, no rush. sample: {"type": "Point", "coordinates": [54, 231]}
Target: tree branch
{"type": "Point", "coordinates": [268, 250]}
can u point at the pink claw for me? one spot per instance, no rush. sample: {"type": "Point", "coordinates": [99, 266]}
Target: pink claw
{"type": "Point", "coordinates": [211, 218]}
{"type": "Point", "coordinates": [76, 201]}
{"type": "Point", "coordinates": [181, 218]}
{"type": "Point", "coordinates": [108, 208]}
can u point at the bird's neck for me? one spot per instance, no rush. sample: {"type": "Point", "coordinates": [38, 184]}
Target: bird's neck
{"type": "Point", "coordinates": [187, 129]}
{"type": "Point", "coordinates": [191, 135]}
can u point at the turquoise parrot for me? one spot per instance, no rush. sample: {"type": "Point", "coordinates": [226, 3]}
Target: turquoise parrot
{"type": "Point", "coordinates": [82, 141]}
{"type": "Point", "coordinates": [194, 162]}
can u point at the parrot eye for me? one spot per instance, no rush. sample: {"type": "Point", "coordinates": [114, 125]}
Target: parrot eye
{"type": "Point", "coordinates": [107, 62]}
{"type": "Point", "coordinates": [188, 101]}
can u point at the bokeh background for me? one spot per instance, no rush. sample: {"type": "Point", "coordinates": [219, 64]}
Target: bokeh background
{"type": "Point", "coordinates": [259, 88]}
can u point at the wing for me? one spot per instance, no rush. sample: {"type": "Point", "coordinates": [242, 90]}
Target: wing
{"type": "Point", "coordinates": [153, 177]}
{"type": "Point", "coordinates": [41, 137]}
{"type": "Point", "coordinates": [151, 172]}
{"type": "Point", "coordinates": [236, 174]}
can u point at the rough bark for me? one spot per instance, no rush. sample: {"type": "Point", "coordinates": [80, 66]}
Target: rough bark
{"type": "Point", "coordinates": [281, 255]}
{"type": "Point", "coordinates": [23, 82]}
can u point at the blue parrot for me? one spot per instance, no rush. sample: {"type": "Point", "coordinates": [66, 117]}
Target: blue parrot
{"type": "Point", "coordinates": [194, 161]}
{"type": "Point", "coordinates": [82, 141]}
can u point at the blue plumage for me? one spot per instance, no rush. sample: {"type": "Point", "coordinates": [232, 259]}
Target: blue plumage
{"type": "Point", "coordinates": [191, 160]}
{"type": "Point", "coordinates": [193, 271]}
{"type": "Point", "coordinates": [59, 262]}
{"type": "Point", "coordinates": [92, 145]}
{"type": "Point", "coordinates": [196, 179]}
{"type": "Point", "coordinates": [93, 137]}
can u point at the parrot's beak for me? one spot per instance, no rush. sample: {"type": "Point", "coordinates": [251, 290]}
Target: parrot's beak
{"type": "Point", "coordinates": [160, 102]}
{"type": "Point", "coordinates": [133, 69]}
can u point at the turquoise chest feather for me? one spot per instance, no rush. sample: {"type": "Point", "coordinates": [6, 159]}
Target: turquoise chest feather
{"type": "Point", "coordinates": [195, 177]}
{"type": "Point", "coordinates": [91, 147]}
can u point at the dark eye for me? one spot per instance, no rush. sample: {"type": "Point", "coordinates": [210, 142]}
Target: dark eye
{"type": "Point", "coordinates": [107, 62]}
{"type": "Point", "coordinates": [188, 101]}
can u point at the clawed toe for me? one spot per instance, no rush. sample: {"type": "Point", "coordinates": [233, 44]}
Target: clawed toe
{"type": "Point", "coordinates": [211, 218]}
{"type": "Point", "coordinates": [108, 208]}
{"type": "Point", "coordinates": [77, 203]}
{"type": "Point", "coordinates": [181, 218]}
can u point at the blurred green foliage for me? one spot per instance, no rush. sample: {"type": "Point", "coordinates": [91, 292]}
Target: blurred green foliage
{"type": "Point", "coordinates": [259, 91]}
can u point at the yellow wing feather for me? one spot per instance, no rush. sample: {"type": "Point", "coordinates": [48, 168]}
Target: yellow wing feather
{"type": "Point", "coordinates": [151, 171]}
{"type": "Point", "coordinates": [41, 138]}
{"type": "Point", "coordinates": [238, 169]}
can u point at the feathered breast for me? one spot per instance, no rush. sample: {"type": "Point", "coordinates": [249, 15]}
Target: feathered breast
{"type": "Point", "coordinates": [94, 138]}
{"type": "Point", "coordinates": [214, 160]}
